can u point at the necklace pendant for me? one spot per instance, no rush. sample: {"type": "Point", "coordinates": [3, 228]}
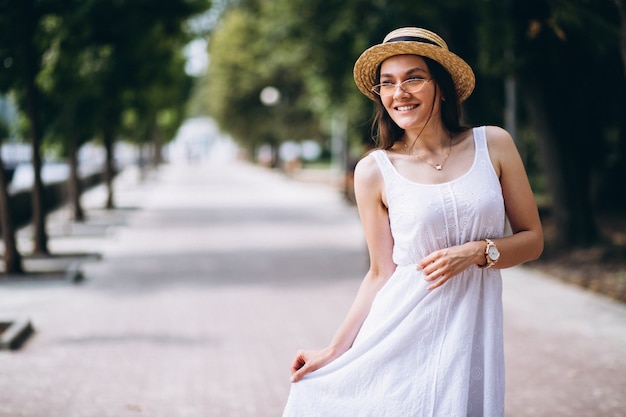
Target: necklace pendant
{"type": "Point", "coordinates": [438, 167]}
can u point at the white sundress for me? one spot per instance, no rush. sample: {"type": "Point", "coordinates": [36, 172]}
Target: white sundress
{"type": "Point", "coordinates": [420, 352]}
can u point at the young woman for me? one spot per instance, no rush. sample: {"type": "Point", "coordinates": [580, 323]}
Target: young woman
{"type": "Point", "coordinates": [424, 334]}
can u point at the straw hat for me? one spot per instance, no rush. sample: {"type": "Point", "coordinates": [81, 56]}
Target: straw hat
{"type": "Point", "coordinates": [412, 41]}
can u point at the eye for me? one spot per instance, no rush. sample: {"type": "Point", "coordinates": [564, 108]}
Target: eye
{"type": "Point", "coordinates": [415, 80]}
{"type": "Point", "coordinates": [386, 83]}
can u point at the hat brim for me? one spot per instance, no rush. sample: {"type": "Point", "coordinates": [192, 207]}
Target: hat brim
{"type": "Point", "coordinates": [367, 65]}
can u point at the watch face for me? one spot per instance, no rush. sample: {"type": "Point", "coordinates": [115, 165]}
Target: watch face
{"type": "Point", "coordinates": [493, 253]}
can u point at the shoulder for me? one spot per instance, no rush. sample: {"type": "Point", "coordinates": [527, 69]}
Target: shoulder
{"type": "Point", "coordinates": [499, 141]}
{"type": "Point", "coordinates": [497, 135]}
{"type": "Point", "coordinates": [367, 168]}
{"type": "Point", "coordinates": [502, 148]}
{"type": "Point", "coordinates": [368, 181]}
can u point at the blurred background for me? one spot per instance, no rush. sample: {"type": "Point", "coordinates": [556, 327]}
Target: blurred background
{"type": "Point", "coordinates": [209, 275]}
{"type": "Point", "coordinates": [91, 86]}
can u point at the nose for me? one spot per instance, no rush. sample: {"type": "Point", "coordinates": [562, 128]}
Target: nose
{"type": "Point", "coordinates": [399, 91]}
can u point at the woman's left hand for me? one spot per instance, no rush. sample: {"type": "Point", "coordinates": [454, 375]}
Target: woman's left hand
{"type": "Point", "coordinates": [444, 264]}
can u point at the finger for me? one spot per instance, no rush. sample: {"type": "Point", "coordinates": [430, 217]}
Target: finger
{"type": "Point", "coordinates": [443, 279]}
{"type": "Point", "coordinates": [297, 376]}
{"type": "Point", "coordinates": [429, 262]}
{"type": "Point", "coordinates": [298, 362]}
{"type": "Point", "coordinates": [295, 368]}
{"type": "Point", "coordinates": [435, 271]}
{"type": "Point", "coordinates": [433, 277]}
{"type": "Point", "coordinates": [426, 260]}
{"type": "Point", "coordinates": [421, 265]}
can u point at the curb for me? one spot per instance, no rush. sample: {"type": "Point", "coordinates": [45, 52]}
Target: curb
{"type": "Point", "coordinates": [15, 333]}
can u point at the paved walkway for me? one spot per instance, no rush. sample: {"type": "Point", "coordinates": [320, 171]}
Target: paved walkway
{"type": "Point", "coordinates": [212, 275]}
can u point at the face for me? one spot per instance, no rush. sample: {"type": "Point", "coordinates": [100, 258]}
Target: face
{"type": "Point", "coordinates": [410, 111]}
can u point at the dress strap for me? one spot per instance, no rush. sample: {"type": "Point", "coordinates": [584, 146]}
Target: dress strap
{"type": "Point", "coordinates": [384, 164]}
{"type": "Point", "coordinates": [480, 137]}
{"type": "Point", "coordinates": [480, 143]}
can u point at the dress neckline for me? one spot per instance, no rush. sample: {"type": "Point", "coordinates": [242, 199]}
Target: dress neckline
{"type": "Point", "coordinates": [460, 177]}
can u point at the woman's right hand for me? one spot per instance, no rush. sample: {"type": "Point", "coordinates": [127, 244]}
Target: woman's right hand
{"type": "Point", "coordinates": [310, 360]}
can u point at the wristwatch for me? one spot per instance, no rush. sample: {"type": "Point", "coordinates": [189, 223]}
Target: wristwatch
{"type": "Point", "coordinates": [492, 254]}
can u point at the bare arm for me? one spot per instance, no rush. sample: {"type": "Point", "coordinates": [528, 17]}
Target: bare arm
{"type": "Point", "coordinates": [526, 242]}
{"type": "Point", "coordinates": [369, 191]}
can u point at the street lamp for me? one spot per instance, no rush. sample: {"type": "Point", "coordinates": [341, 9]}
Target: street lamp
{"type": "Point", "coordinates": [270, 97]}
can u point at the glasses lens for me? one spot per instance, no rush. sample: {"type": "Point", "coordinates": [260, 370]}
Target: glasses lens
{"type": "Point", "coordinates": [412, 85]}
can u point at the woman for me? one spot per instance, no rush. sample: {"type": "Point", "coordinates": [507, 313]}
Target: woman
{"type": "Point", "coordinates": [424, 334]}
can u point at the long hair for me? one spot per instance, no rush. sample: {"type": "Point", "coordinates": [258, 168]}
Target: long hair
{"type": "Point", "coordinates": [386, 132]}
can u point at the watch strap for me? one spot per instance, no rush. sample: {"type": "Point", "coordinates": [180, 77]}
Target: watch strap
{"type": "Point", "coordinates": [488, 261]}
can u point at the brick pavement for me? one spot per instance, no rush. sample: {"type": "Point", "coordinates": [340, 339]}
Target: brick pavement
{"type": "Point", "coordinates": [211, 277]}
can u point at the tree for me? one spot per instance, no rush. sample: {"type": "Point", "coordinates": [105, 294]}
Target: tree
{"type": "Point", "coordinates": [567, 57]}
{"type": "Point", "coordinates": [621, 9]}
{"type": "Point", "coordinates": [156, 109]}
{"type": "Point", "coordinates": [12, 257]}
{"type": "Point", "coordinates": [143, 31]}
{"type": "Point", "coordinates": [71, 85]}
{"type": "Point", "coordinates": [76, 64]}
{"type": "Point", "coordinates": [239, 70]}
{"type": "Point", "coordinates": [22, 46]}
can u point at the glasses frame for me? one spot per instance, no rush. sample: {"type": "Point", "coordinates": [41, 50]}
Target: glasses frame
{"type": "Point", "coordinates": [423, 81]}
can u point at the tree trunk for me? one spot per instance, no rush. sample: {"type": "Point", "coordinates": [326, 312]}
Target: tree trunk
{"type": "Point", "coordinates": [40, 236]}
{"type": "Point", "coordinates": [568, 181]}
{"type": "Point", "coordinates": [157, 146]}
{"type": "Point", "coordinates": [75, 188]}
{"type": "Point", "coordinates": [109, 167]}
{"type": "Point", "coordinates": [621, 9]}
{"type": "Point", "coordinates": [31, 67]}
{"type": "Point", "coordinates": [12, 258]}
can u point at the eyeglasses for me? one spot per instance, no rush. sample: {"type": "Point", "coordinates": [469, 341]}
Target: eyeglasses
{"type": "Point", "coordinates": [411, 86]}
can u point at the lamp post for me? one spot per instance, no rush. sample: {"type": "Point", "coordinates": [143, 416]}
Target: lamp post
{"type": "Point", "coordinates": [270, 97]}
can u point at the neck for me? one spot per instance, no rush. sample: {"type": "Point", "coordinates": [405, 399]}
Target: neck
{"type": "Point", "coordinates": [431, 138]}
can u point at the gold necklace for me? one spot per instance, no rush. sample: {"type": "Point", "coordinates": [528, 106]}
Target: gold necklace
{"type": "Point", "coordinates": [438, 166]}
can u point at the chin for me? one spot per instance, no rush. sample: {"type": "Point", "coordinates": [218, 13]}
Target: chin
{"type": "Point", "coordinates": [408, 125]}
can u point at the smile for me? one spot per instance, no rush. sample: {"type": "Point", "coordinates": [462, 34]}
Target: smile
{"type": "Point", "coordinates": [406, 108]}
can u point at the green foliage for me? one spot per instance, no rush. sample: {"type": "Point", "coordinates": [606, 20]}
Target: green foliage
{"type": "Point", "coordinates": [247, 56]}
{"type": "Point", "coordinates": [94, 59]}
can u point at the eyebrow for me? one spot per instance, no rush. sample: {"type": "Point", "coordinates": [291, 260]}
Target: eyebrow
{"type": "Point", "coordinates": [409, 72]}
